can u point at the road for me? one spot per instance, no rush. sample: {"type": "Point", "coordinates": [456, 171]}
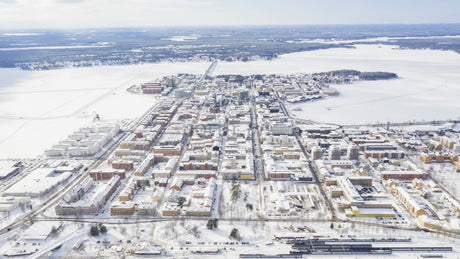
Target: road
{"type": "Point", "coordinates": [317, 179]}
{"type": "Point", "coordinates": [259, 169]}
{"type": "Point", "coordinates": [314, 172]}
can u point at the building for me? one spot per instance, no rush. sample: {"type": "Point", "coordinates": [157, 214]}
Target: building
{"type": "Point", "coordinates": [86, 141]}
{"type": "Point", "coordinates": [438, 157]}
{"type": "Point", "coordinates": [9, 203]}
{"type": "Point", "coordinates": [282, 127]}
{"type": "Point", "coordinates": [170, 209]}
{"type": "Point", "coordinates": [123, 164]}
{"type": "Point", "coordinates": [146, 208]}
{"type": "Point", "coordinates": [106, 174]}
{"type": "Point", "coordinates": [39, 182]}
{"type": "Point", "coordinates": [316, 153]}
{"type": "Point", "coordinates": [152, 88]}
{"type": "Point", "coordinates": [144, 166]}
{"type": "Point", "coordinates": [353, 152]}
{"type": "Point", "coordinates": [168, 150]}
{"type": "Point", "coordinates": [9, 168]}
{"type": "Point", "coordinates": [334, 152]}
{"type": "Point", "coordinates": [414, 207]}
{"type": "Point", "coordinates": [391, 154]}
{"type": "Point", "coordinates": [403, 175]}
{"type": "Point", "coordinates": [122, 208]}
{"type": "Point", "coordinates": [344, 164]}
{"type": "Point", "coordinates": [88, 197]}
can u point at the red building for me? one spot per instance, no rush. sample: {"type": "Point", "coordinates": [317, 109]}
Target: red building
{"type": "Point", "coordinates": [125, 165]}
{"type": "Point", "coordinates": [152, 88]}
{"type": "Point", "coordinates": [99, 175]}
{"type": "Point", "coordinates": [404, 175]}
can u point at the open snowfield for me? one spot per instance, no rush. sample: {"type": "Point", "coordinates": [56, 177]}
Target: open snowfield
{"type": "Point", "coordinates": [428, 87]}
{"type": "Point", "coordinates": [39, 108]}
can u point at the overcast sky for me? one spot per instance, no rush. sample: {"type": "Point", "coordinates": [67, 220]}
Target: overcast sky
{"type": "Point", "coordinates": [43, 14]}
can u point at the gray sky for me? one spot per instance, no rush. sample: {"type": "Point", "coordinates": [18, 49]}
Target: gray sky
{"type": "Point", "coordinates": [41, 14]}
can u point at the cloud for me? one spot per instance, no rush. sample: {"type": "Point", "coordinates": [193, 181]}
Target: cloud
{"type": "Point", "coordinates": [69, 1]}
{"type": "Point", "coordinates": [42, 14]}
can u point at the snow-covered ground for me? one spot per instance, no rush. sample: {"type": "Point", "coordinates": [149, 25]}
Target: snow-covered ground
{"type": "Point", "coordinates": [179, 237]}
{"type": "Point", "coordinates": [39, 108]}
{"type": "Point", "coordinates": [241, 207]}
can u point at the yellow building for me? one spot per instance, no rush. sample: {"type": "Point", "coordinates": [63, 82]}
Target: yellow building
{"type": "Point", "coordinates": [430, 223]}
{"type": "Point", "coordinates": [417, 183]}
{"type": "Point", "coordinates": [370, 212]}
{"type": "Point", "coordinates": [246, 176]}
{"type": "Point", "coordinates": [123, 208]}
{"type": "Point", "coordinates": [425, 158]}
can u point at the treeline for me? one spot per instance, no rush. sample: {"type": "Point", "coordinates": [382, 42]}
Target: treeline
{"type": "Point", "coordinates": [341, 73]}
{"type": "Point", "coordinates": [377, 75]}
{"type": "Point", "coordinates": [347, 73]}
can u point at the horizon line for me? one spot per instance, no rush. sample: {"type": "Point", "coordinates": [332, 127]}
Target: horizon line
{"type": "Point", "coordinates": [224, 26]}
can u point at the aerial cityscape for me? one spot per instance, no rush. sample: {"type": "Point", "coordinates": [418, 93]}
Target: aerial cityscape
{"type": "Point", "coordinates": [290, 137]}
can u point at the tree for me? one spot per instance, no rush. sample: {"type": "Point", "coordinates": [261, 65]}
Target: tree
{"type": "Point", "coordinates": [53, 231]}
{"type": "Point", "coordinates": [94, 231]}
{"type": "Point", "coordinates": [332, 225]}
{"type": "Point", "coordinates": [181, 201]}
{"type": "Point", "coordinates": [211, 224]}
{"type": "Point", "coordinates": [102, 229]}
{"type": "Point", "coordinates": [235, 189]}
{"type": "Point", "coordinates": [196, 232]}
{"type": "Point", "coordinates": [248, 206]}
{"type": "Point", "coordinates": [235, 234]}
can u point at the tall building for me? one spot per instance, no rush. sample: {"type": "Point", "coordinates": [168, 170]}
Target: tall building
{"type": "Point", "coordinates": [353, 152]}
{"type": "Point", "coordinates": [334, 152]}
{"type": "Point", "coordinates": [316, 153]}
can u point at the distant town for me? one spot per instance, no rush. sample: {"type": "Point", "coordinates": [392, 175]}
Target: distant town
{"type": "Point", "coordinates": [225, 150]}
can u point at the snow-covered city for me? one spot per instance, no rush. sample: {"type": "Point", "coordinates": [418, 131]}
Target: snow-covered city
{"type": "Point", "coordinates": [225, 165]}
{"type": "Point", "coordinates": [229, 129]}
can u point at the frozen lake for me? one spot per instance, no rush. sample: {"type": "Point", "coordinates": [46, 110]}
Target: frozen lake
{"type": "Point", "coordinates": [428, 87]}
{"type": "Point", "coordinates": [39, 108]}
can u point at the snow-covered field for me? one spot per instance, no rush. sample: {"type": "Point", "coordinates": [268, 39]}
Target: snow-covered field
{"type": "Point", "coordinates": [39, 108]}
